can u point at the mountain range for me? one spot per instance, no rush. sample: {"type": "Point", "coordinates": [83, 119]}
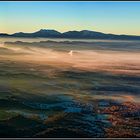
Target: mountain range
{"type": "Point", "coordinates": [84, 34]}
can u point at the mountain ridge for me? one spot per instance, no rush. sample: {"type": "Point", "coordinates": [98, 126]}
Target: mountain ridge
{"type": "Point", "coordinates": [83, 34]}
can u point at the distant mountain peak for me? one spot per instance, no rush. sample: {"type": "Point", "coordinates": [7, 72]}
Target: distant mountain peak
{"type": "Point", "coordinates": [86, 31]}
{"type": "Point", "coordinates": [83, 34]}
{"type": "Point", "coordinates": [47, 31]}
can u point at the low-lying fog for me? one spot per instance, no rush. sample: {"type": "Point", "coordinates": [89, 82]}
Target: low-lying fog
{"type": "Point", "coordinates": [115, 56]}
{"type": "Point", "coordinates": [77, 82]}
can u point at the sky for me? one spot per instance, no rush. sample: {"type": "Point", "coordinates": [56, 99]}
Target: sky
{"type": "Point", "coordinates": [107, 17]}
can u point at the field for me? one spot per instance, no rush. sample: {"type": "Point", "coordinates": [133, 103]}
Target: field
{"type": "Point", "coordinates": [69, 88]}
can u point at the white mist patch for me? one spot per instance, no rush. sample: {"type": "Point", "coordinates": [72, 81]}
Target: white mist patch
{"type": "Point", "coordinates": [81, 59]}
{"type": "Point", "coordinates": [1, 44]}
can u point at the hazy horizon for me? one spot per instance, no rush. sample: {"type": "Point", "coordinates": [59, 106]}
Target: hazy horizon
{"type": "Point", "coordinates": [67, 31]}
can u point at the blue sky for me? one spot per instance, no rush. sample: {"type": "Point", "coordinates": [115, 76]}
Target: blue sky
{"type": "Point", "coordinates": [108, 17]}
